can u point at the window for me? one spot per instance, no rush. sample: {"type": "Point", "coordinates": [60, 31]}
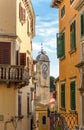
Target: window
{"type": "Point", "coordinates": [63, 11]}
{"type": "Point", "coordinates": [17, 57]}
{"type": "Point", "coordinates": [22, 13]}
{"type": "Point", "coordinates": [22, 58]}
{"type": "Point", "coordinates": [82, 24]}
{"type": "Point", "coordinates": [71, 1]}
{"type": "Point", "coordinates": [60, 45]}
{"type": "Point", "coordinates": [19, 105]}
{"type": "Point", "coordinates": [72, 96]}
{"type": "Point", "coordinates": [5, 52]}
{"type": "Point", "coordinates": [73, 35]}
{"type": "Point", "coordinates": [27, 105]}
{"type": "Point", "coordinates": [28, 31]}
{"type": "Point", "coordinates": [63, 95]}
{"type": "Point", "coordinates": [44, 120]}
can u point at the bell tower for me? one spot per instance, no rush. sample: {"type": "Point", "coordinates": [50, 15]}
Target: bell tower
{"type": "Point", "coordinates": [43, 76]}
{"type": "Point", "coordinates": [42, 89]}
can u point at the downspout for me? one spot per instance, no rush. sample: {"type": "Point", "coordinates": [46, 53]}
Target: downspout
{"type": "Point", "coordinates": [5, 124]}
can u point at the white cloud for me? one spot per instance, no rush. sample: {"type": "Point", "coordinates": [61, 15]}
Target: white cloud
{"type": "Point", "coordinates": [46, 27]}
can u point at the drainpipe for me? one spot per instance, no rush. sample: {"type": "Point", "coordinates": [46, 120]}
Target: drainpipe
{"type": "Point", "coordinates": [5, 124]}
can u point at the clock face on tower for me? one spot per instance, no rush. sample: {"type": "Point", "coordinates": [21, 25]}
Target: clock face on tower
{"type": "Point", "coordinates": [44, 71]}
{"type": "Point", "coordinates": [44, 67]}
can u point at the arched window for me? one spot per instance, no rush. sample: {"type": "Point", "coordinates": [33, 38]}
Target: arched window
{"type": "Point", "coordinates": [44, 120]}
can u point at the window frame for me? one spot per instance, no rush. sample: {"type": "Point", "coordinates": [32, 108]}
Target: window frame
{"type": "Point", "coordinates": [63, 11]}
{"type": "Point", "coordinates": [73, 106]}
{"type": "Point", "coordinates": [19, 104]}
{"type": "Point", "coordinates": [71, 2]}
{"type": "Point", "coordinates": [73, 32]}
{"type": "Point", "coordinates": [27, 105]}
{"type": "Point", "coordinates": [63, 93]}
{"type": "Point", "coordinates": [82, 13]}
{"type": "Point", "coordinates": [44, 122]}
{"type": "Point", "coordinates": [5, 53]}
{"type": "Point", "coordinates": [61, 42]}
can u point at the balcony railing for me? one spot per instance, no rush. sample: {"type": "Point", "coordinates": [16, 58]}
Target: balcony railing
{"type": "Point", "coordinates": [13, 73]}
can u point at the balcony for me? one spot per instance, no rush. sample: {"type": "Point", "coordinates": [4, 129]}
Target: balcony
{"type": "Point", "coordinates": [14, 74]}
{"type": "Point", "coordinates": [56, 3]}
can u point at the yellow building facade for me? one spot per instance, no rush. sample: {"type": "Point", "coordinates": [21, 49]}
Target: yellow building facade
{"type": "Point", "coordinates": [80, 8]}
{"type": "Point", "coordinates": [68, 52]}
{"type": "Point", "coordinates": [17, 29]}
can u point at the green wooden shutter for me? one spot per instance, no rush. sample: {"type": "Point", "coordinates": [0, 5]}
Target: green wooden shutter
{"type": "Point", "coordinates": [71, 1]}
{"type": "Point", "coordinates": [63, 11]}
{"type": "Point", "coordinates": [72, 94]}
{"type": "Point", "coordinates": [61, 45]}
{"type": "Point", "coordinates": [73, 35]}
{"type": "Point", "coordinates": [63, 95]}
{"type": "Point", "coordinates": [82, 24]}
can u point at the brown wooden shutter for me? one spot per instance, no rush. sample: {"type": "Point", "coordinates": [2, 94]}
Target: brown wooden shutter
{"type": "Point", "coordinates": [28, 62]}
{"type": "Point", "coordinates": [20, 10]}
{"type": "Point", "coordinates": [5, 52]}
{"type": "Point", "coordinates": [29, 67]}
{"type": "Point", "coordinates": [19, 105]}
{"type": "Point", "coordinates": [17, 57]}
{"type": "Point", "coordinates": [24, 15]}
{"type": "Point", "coordinates": [22, 58]}
{"type": "Point", "coordinates": [27, 105]}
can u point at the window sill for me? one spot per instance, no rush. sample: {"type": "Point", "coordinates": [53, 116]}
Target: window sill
{"type": "Point", "coordinates": [72, 51]}
{"type": "Point", "coordinates": [62, 58]}
{"type": "Point", "coordinates": [19, 117]}
{"type": "Point", "coordinates": [72, 111]}
{"type": "Point", "coordinates": [61, 108]}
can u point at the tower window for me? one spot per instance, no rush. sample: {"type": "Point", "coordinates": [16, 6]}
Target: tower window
{"type": "Point", "coordinates": [44, 120]}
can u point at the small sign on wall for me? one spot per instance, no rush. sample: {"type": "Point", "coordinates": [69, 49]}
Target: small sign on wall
{"type": "Point", "coordinates": [1, 117]}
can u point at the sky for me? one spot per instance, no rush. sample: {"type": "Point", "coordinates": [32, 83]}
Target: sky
{"type": "Point", "coordinates": [46, 28]}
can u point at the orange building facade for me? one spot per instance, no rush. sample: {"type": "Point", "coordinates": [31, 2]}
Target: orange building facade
{"type": "Point", "coordinates": [68, 52]}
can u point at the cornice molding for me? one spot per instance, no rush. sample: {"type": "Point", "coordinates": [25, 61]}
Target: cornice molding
{"type": "Point", "coordinates": [56, 3]}
{"type": "Point", "coordinates": [30, 11]}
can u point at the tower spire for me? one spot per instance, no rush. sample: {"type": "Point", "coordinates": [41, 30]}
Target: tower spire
{"type": "Point", "coordinates": [41, 47]}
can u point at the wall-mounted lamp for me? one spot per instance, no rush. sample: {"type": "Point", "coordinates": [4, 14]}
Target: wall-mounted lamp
{"type": "Point", "coordinates": [35, 125]}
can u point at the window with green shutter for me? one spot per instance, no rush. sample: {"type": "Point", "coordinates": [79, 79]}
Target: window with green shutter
{"type": "Point", "coordinates": [63, 95]}
{"type": "Point", "coordinates": [73, 35]}
{"type": "Point", "coordinates": [63, 11]}
{"type": "Point", "coordinates": [72, 96]}
{"type": "Point", "coordinates": [60, 45]}
{"type": "Point", "coordinates": [82, 24]}
{"type": "Point", "coordinates": [71, 1]}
